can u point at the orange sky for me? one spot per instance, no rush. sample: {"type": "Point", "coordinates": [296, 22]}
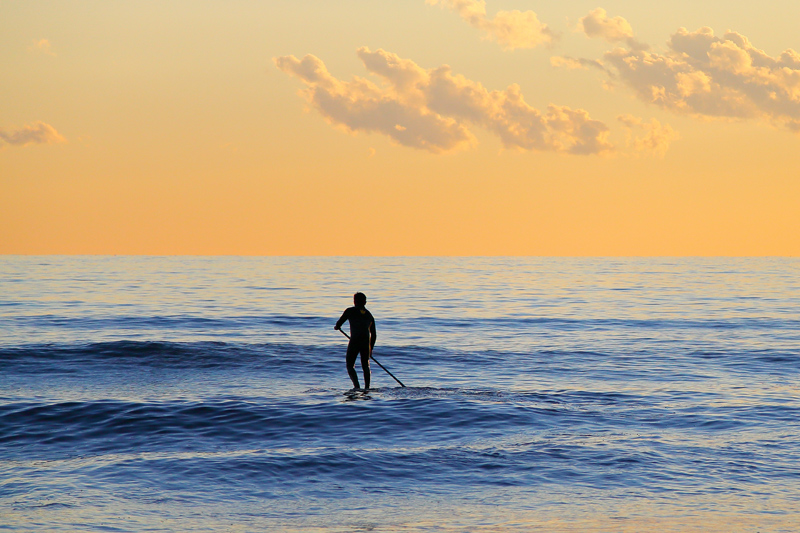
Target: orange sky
{"type": "Point", "coordinates": [399, 128]}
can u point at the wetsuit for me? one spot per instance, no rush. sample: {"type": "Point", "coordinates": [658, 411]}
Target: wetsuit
{"type": "Point", "coordinates": [362, 340]}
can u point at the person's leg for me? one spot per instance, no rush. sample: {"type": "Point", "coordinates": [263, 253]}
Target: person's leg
{"type": "Point", "coordinates": [365, 365]}
{"type": "Point", "coordinates": [352, 354]}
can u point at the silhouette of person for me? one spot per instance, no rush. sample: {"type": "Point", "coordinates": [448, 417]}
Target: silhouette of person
{"type": "Point", "coordinates": [362, 337]}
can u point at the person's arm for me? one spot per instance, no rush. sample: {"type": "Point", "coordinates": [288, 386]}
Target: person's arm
{"type": "Point", "coordinates": [341, 320]}
{"type": "Point", "coordinates": [373, 334]}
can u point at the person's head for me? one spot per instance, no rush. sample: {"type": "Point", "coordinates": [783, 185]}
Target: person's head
{"type": "Point", "coordinates": [360, 299]}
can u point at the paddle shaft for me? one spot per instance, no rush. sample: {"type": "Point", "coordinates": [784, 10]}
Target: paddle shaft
{"type": "Point", "coordinates": [380, 365]}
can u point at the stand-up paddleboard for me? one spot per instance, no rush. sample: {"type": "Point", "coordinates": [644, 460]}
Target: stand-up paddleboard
{"type": "Point", "coordinates": [357, 394]}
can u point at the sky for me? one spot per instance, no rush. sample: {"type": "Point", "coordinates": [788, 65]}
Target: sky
{"type": "Point", "coordinates": [404, 127]}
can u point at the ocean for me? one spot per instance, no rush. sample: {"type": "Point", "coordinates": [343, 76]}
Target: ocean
{"type": "Point", "coordinates": [542, 394]}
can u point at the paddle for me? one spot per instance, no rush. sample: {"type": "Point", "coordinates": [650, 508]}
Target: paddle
{"type": "Point", "coordinates": [380, 365]}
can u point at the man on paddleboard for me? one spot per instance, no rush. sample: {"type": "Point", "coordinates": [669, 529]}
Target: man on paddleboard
{"type": "Point", "coordinates": [362, 337]}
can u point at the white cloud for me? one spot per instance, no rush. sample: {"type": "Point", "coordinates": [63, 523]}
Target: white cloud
{"type": "Point", "coordinates": [34, 133]}
{"type": "Point", "coordinates": [432, 108]}
{"type": "Point", "coordinates": [512, 29]}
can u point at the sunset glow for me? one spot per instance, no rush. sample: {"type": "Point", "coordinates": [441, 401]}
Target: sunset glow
{"type": "Point", "coordinates": [421, 127]}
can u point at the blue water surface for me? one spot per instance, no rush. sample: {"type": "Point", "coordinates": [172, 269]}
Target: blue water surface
{"type": "Point", "coordinates": [543, 394]}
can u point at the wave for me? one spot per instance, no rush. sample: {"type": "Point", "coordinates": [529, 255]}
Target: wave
{"type": "Point", "coordinates": [322, 416]}
{"type": "Point", "coordinates": [661, 363]}
{"type": "Point", "coordinates": [400, 416]}
{"type": "Point", "coordinates": [325, 412]}
{"type": "Point", "coordinates": [206, 354]}
{"type": "Point", "coordinates": [415, 323]}
{"type": "Point", "coordinates": [576, 324]}
{"type": "Point", "coordinates": [176, 322]}
{"type": "Point", "coordinates": [447, 439]}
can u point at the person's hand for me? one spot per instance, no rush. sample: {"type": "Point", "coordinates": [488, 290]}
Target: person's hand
{"type": "Point", "coordinates": [337, 328]}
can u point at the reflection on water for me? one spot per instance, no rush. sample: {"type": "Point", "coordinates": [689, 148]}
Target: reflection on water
{"type": "Point", "coordinates": [209, 394]}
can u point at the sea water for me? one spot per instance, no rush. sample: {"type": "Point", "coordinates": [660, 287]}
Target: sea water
{"type": "Point", "coordinates": [208, 394]}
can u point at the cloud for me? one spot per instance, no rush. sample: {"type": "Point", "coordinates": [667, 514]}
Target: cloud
{"type": "Point", "coordinates": [360, 105]}
{"type": "Point", "coordinates": [712, 76]}
{"type": "Point", "coordinates": [34, 133]}
{"type": "Point", "coordinates": [703, 75]}
{"type": "Point", "coordinates": [598, 25]}
{"type": "Point", "coordinates": [512, 29]}
{"type": "Point", "coordinates": [42, 46]}
{"type": "Point", "coordinates": [573, 63]}
{"type": "Point", "coordinates": [431, 109]}
{"type": "Point", "coordinates": [655, 137]}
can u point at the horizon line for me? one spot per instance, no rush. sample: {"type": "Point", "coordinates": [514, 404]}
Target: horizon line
{"type": "Point", "coordinates": [576, 256]}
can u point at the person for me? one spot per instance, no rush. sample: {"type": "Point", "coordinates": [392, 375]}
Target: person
{"type": "Point", "coordinates": [362, 337]}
